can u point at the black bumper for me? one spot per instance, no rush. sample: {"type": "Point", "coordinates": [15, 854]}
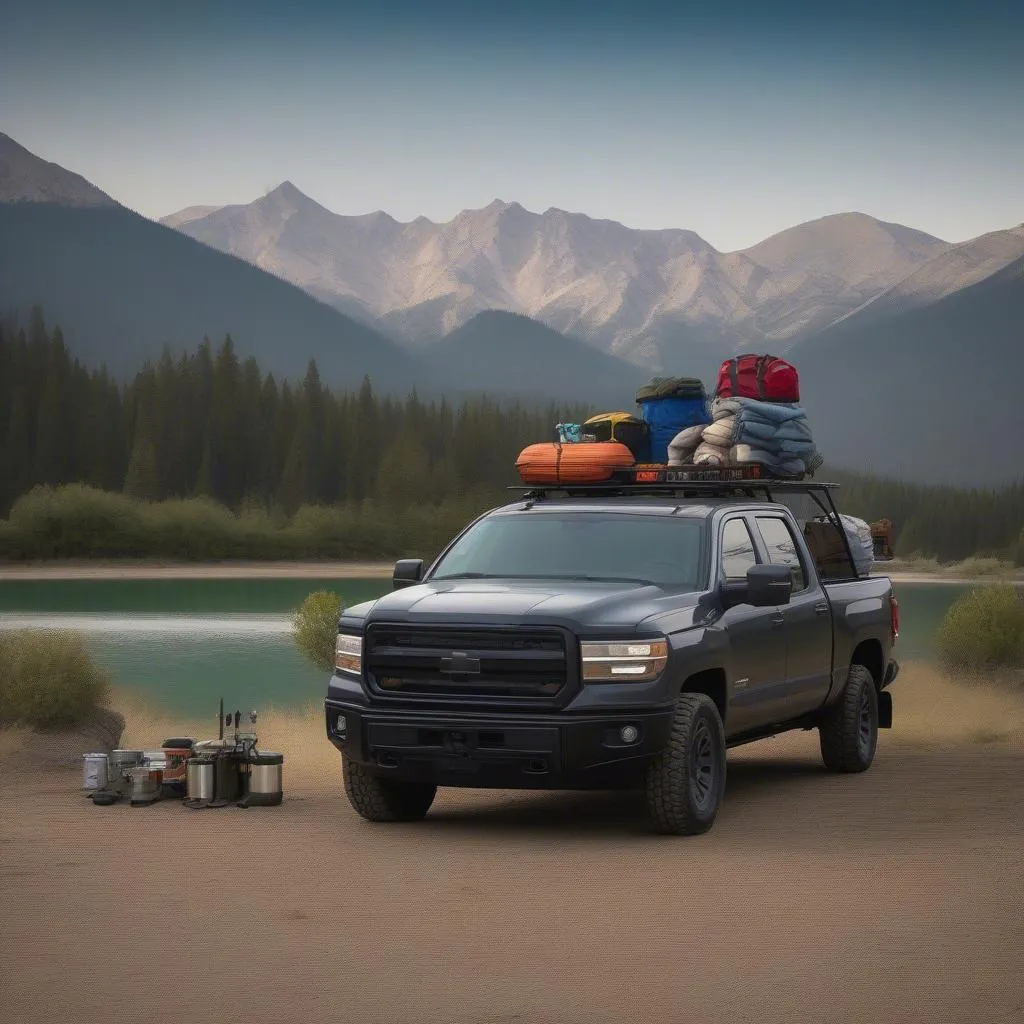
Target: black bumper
{"type": "Point", "coordinates": [500, 750]}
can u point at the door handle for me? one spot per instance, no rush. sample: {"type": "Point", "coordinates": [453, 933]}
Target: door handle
{"type": "Point", "coordinates": [778, 620]}
{"type": "Point", "coordinates": [820, 609]}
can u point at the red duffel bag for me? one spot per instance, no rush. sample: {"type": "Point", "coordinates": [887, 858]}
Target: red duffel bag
{"type": "Point", "coordinates": [766, 378]}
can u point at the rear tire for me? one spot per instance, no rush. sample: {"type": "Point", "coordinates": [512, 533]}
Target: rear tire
{"type": "Point", "coordinates": [848, 731]}
{"type": "Point", "coordinates": [377, 799]}
{"type": "Point", "coordinates": [686, 781]}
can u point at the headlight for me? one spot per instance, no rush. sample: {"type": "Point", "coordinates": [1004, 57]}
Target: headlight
{"type": "Point", "coordinates": [622, 661]}
{"type": "Point", "coordinates": [348, 654]}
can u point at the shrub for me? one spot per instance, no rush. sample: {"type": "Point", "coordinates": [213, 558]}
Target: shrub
{"type": "Point", "coordinates": [315, 628]}
{"type": "Point", "coordinates": [74, 521]}
{"type": "Point", "coordinates": [192, 528]}
{"type": "Point", "coordinates": [983, 629]}
{"type": "Point", "coordinates": [48, 679]}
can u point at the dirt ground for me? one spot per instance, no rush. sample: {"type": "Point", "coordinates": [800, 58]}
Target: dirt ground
{"type": "Point", "coordinates": [897, 895]}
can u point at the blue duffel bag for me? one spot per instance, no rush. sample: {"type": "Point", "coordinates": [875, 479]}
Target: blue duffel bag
{"type": "Point", "coordinates": [669, 405]}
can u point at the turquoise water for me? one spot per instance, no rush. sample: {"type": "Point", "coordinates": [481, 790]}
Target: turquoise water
{"type": "Point", "coordinates": [186, 643]}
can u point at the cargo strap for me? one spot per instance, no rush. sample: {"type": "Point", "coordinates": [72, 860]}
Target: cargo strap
{"type": "Point", "coordinates": [761, 367]}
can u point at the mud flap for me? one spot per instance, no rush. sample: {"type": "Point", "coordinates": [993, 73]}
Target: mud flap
{"type": "Point", "coordinates": [884, 710]}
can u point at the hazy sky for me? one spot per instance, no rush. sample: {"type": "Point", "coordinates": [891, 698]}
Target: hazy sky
{"type": "Point", "coordinates": [734, 119]}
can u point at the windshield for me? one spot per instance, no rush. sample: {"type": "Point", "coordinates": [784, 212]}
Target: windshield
{"type": "Point", "coordinates": [663, 550]}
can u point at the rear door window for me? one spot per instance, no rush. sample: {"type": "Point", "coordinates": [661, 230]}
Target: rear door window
{"type": "Point", "coordinates": [782, 549]}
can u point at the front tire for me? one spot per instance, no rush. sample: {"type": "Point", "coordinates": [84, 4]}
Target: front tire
{"type": "Point", "coordinates": [686, 781]}
{"type": "Point", "coordinates": [848, 731]}
{"type": "Point", "coordinates": [377, 799]}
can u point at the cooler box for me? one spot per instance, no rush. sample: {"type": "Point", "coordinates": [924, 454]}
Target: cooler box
{"type": "Point", "coordinates": [669, 405]}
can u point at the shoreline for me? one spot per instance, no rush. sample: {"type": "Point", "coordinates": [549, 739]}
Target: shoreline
{"type": "Point", "coordinates": [114, 570]}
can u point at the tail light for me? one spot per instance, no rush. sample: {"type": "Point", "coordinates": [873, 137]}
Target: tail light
{"type": "Point", "coordinates": [894, 616]}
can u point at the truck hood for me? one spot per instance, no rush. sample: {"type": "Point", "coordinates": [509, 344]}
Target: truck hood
{"type": "Point", "coordinates": [581, 606]}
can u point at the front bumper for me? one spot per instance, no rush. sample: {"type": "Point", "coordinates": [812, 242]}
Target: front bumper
{"type": "Point", "coordinates": [499, 749]}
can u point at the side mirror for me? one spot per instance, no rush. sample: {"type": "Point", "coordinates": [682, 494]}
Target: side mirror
{"type": "Point", "coordinates": [769, 585]}
{"type": "Point", "coordinates": [764, 587]}
{"type": "Point", "coordinates": [408, 572]}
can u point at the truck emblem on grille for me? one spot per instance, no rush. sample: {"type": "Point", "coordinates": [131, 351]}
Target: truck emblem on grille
{"type": "Point", "coordinates": [460, 664]}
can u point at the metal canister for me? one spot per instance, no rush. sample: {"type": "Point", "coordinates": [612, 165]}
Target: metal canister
{"type": "Point", "coordinates": [126, 758]}
{"type": "Point", "coordinates": [145, 785]}
{"type": "Point", "coordinates": [265, 779]}
{"type": "Point", "coordinates": [120, 765]}
{"type": "Point", "coordinates": [200, 777]}
{"type": "Point", "coordinates": [94, 771]}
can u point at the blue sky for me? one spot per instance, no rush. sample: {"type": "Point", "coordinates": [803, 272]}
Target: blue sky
{"type": "Point", "coordinates": [733, 119]}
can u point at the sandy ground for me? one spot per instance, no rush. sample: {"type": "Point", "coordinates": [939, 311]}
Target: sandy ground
{"type": "Point", "coordinates": [313, 570]}
{"type": "Point", "coordinates": [891, 896]}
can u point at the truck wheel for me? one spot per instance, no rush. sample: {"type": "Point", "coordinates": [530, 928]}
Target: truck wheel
{"type": "Point", "coordinates": [848, 731]}
{"type": "Point", "coordinates": [686, 781]}
{"type": "Point", "coordinates": [377, 799]}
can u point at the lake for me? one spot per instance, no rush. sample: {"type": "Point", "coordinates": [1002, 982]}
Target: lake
{"type": "Point", "coordinates": [186, 643]}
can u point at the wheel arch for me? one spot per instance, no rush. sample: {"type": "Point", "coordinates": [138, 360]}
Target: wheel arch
{"type": "Point", "coordinates": [868, 654]}
{"type": "Point", "coordinates": [712, 683]}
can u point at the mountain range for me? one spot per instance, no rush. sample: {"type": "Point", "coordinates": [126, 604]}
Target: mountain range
{"type": "Point", "coordinates": [909, 347]}
{"type": "Point", "coordinates": [655, 298]}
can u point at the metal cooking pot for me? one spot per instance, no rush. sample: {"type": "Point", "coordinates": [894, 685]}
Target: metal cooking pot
{"type": "Point", "coordinates": [199, 778]}
{"type": "Point", "coordinates": [145, 784]}
{"type": "Point", "coordinates": [265, 771]}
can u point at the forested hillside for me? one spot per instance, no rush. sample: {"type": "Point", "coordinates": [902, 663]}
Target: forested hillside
{"type": "Point", "coordinates": [208, 425]}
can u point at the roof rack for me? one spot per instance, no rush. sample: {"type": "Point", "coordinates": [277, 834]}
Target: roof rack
{"type": "Point", "coordinates": [674, 487]}
{"type": "Point", "coordinates": [650, 479]}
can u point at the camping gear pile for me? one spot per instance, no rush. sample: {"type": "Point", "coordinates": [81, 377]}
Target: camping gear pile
{"type": "Point", "coordinates": [826, 545]}
{"type": "Point", "coordinates": [755, 419]}
{"type": "Point", "coordinates": [207, 773]}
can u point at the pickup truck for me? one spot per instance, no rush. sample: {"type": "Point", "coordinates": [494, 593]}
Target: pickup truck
{"type": "Point", "coordinates": [609, 638]}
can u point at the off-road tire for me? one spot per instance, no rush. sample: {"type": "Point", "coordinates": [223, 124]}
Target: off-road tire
{"type": "Point", "coordinates": [848, 730]}
{"type": "Point", "coordinates": [377, 799]}
{"type": "Point", "coordinates": [686, 781]}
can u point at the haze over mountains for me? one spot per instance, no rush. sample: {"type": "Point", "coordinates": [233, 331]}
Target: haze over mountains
{"type": "Point", "coordinates": [122, 287]}
{"type": "Point", "coordinates": [910, 348]}
{"type": "Point", "coordinates": [653, 297]}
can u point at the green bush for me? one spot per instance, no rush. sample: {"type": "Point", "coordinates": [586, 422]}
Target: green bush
{"type": "Point", "coordinates": [193, 529]}
{"type": "Point", "coordinates": [983, 629]}
{"type": "Point", "coordinates": [48, 679]}
{"type": "Point", "coordinates": [76, 521]}
{"type": "Point", "coordinates": [315, 628]}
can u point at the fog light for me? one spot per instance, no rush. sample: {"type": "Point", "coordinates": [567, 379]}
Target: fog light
{"type": "Point", "coordinates": [629, 734]}
{"type": "Point", "coordinates": [341, 727]}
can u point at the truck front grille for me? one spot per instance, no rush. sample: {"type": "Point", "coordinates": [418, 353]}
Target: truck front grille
{"type": "Point", "coordinates": [493, 663]}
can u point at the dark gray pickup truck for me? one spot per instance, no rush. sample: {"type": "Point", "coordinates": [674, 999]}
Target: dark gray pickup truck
{"type": "Point", "coordinates": [614, 638]}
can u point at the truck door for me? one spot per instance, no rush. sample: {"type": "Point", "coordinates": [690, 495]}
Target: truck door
{"type": "Point", "coordinates": [808, 674]}
{"type": "Point", "coordinates": [757, 638]}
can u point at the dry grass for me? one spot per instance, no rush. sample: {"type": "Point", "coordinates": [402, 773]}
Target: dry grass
{"type": "Point", "coordinates": [931, 712]}
{"type": "Point", "coordinates": [969, 569]}
{"type": "Point", "coordinates": [298, 733]}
